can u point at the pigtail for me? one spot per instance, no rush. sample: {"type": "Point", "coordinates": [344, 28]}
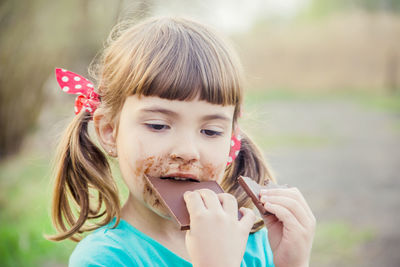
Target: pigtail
{"type": "Point", "coordinates": [82, 174]}
{"type": "Point", "coordinates": [249, 162]}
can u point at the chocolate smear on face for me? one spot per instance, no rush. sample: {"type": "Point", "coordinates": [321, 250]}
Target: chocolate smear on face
{"type": "Point", "coordinates": [167, 194]}
{"type": "Point", "coordinates": [209, 170]}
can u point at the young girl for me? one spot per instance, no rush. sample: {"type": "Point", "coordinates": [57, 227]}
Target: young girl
{"type": "Point", "coordinates": [167, 104]}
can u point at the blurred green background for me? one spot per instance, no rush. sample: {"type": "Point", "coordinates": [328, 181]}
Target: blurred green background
{"type": "Point", "coordinates": [323, 102]}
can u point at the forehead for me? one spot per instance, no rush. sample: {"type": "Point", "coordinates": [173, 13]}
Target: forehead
{"type": "Point", "coordinates": [135, 104]}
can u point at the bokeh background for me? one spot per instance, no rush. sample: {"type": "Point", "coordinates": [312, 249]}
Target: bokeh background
{"type": "Point", "coordinates": [323, 103]}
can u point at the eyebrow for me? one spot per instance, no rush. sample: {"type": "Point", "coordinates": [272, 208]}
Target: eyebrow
{"type": "Point", "coordinates": [175, 114]}
{"type": "Point", "coordinates": [160, 110]}
{"type": "Point", "coordinates": [216, 117]}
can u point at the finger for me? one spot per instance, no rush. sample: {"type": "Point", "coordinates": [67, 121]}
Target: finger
{"type": "Point", "coordinates": [270, 220]}
{"type": "Point", "coordinates": [247, 219]}
{"type": "Point", "coordinates": [297, 193]}
{"type": "Point", "coordinates": [284, 215]}
{"type": "Point", "coordinates": [194, 202]}
{"type": "Point", "coordinates": [292, 192]}
{"type": "Point", "coordinates": [229, 204]}
{"type": "Point", "coordinates": [210, 199]}
{"type": "Point", "coordinates": [295, 207]}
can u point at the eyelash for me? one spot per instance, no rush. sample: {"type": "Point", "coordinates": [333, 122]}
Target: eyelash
{"type": "Point", "coordinates": [161, 127]}
{"type": "Point", "coordinates": [155, 126]}
{"type": "Point", "coordinates": [211, 133]}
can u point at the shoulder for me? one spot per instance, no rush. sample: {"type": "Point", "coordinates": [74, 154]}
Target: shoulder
{"type": "Point", "coordinates": [258, 251]}
{"type": "Point", "coordinates": [104, 247]}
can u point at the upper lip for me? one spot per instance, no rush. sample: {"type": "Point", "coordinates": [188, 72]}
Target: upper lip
{"type": "Point", "coordinates": [182, 175]}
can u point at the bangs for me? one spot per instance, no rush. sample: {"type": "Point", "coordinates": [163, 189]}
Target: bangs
{"type": "Point", "coordinates": [182, 60]}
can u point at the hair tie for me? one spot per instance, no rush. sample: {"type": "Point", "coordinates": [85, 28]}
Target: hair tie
{"type": "Point", "coordinates": [73, 83]}
{"type": "Point", "coordinates": [236, 143]}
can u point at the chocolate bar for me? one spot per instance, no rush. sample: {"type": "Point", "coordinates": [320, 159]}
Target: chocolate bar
{"type": "Point", "coordinates": [171, 193]}
{"type": "Point", "coordinates": [252, 189]}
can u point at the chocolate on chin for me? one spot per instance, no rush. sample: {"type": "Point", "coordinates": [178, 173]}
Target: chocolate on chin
{"type": "Point", "coordinates": [252, 189]}
{"type": "Point", "coordinates": [171, 193]}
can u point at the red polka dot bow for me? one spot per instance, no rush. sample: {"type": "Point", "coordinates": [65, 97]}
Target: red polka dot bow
{"type": "Point", "coordinates": [73, 83]}
{"type": "Point", "coordinates": [236, 143]}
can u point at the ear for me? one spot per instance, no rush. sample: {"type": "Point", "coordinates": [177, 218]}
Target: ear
{"type": "Point", "coordinates": [106, 132]}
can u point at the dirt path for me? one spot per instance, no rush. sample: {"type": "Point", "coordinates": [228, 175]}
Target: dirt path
{"type": "Point", "coordinates": [350, 172]}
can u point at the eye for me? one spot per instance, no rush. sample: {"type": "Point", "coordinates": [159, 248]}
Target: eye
{"type": "Point", "coordinates": [211, 133]}
{"type": "Point", "coordinates": [157, 127]}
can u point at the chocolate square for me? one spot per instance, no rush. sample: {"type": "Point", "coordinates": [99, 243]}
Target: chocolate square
{"type": "Point", "coordinates": [252, 189]}
{"type": "Point", "coordinates": [170, 192]}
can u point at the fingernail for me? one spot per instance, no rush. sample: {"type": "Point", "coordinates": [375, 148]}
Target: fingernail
{"type": "Point", "coordinates": [186, 193]}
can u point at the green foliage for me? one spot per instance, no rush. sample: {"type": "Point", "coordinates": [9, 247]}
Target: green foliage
{"type": "Point", "coordinates": [25, 195]}
{"type": "Point", "coordinates": [24, 219]}
{"type": "Point", "coordinates": [341, 239]}
{"type": "Point", "coordinates": [323, 8]}
{"type": "Point", "coordinates": [375, 99]}
{"type": "Point", "coordinates": [23, 244]}
{"type": "Point", "coordinates": [384, 103]}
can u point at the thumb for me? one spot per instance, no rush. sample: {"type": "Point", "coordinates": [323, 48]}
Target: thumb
{"type": "Point", "coordinates": [248, 218]}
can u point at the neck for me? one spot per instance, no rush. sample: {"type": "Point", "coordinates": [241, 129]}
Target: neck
{"type": "Point", "coordinates": [150, 223]}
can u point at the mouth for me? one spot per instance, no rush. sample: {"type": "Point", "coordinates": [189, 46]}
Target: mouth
{"type": "Point", "coordinates": [181, 177]}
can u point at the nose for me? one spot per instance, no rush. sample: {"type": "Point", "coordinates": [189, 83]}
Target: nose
{"type": "Point", "coordinates": [185, 148]}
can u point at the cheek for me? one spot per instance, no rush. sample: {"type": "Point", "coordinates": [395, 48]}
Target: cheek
{"type": "Point", "coordinates": [139, 154]}
{"type": "Point", "coordinates": [221, 152]}
{"type": "Point", "coordinates": [213, 172]}
{"type": "Point", "coordinates": [151, 166]}
{"type": "Point", "coordinates": [214, 164]}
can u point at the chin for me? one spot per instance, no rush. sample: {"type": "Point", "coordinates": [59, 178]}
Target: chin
{"type": "Point", "coordinates": [158, 208]}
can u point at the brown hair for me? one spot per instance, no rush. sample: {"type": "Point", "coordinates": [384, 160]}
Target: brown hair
{"type": "Point", "coordinates": [166, 57]}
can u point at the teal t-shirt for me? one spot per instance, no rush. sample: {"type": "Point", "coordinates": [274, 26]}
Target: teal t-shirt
{"type": "Point", "coordinates": [127, 246]}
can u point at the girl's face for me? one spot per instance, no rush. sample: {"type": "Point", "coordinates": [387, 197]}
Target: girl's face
{"type": "Point", "coordinates": [164, 138]}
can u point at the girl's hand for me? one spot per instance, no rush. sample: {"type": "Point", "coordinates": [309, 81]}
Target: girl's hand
{"type": "Point", "coordinates": [216, 236]}
{"type": "Point", "coordinates": [291, 228]}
